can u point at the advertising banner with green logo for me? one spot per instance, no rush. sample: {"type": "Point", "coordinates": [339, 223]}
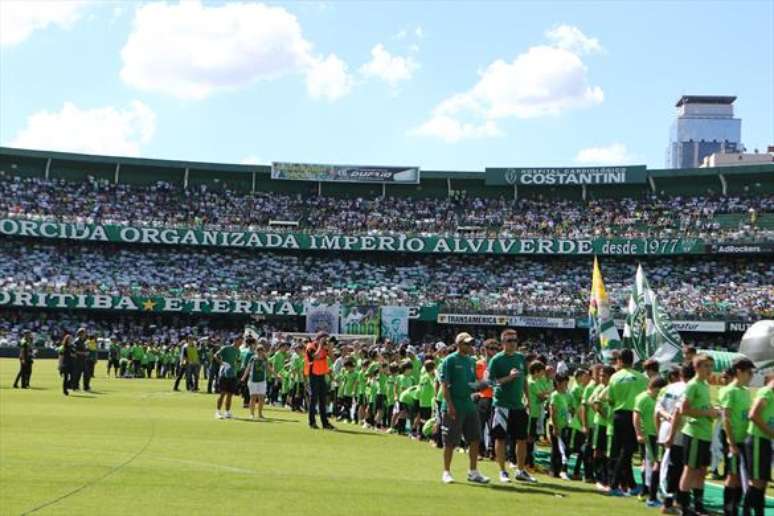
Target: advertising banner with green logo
{"type": "Point", "coordinates": [569, 176]}
{"type": "Point", "coordinates": [360, 320]}
{"type": "Point", "coordinates": [344, 173]}
{"type": "Point", "coordinates": [399, 243]}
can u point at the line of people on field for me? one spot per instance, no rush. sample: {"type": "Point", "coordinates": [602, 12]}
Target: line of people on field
{"type": "Point", "coordinates": [499, 402]}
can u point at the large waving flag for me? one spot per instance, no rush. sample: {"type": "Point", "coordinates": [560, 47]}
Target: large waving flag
{"type": "Point", "coordinates": [603, 334]}
{"type": "Point", "coordinates": [653, 335]}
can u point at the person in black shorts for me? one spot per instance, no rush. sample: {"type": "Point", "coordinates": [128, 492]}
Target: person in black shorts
{"type": "Point", "coordinates": [758, 447]}
{"type": "Point", "coordinates": [510, 420]}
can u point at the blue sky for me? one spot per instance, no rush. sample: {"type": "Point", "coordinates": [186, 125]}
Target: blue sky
{"type": "Point", "coordinates": [445, 86]}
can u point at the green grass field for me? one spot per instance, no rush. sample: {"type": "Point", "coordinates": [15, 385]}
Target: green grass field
{"type": "Point", "coordinates": [136, 447]}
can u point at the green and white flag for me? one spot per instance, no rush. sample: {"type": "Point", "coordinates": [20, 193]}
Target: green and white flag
{"type": "Point", "coordinates": [653, 334]}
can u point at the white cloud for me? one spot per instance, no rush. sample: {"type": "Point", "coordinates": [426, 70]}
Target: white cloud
{"type": "Point", "coordinates": [191, 51]}
{"type": "Point", "coordinates": [451, 130]}
{"type": "Point", "coordinates": [387, 67]}
{"type": "Point", "coordinates": [614, 154]}
{"type": "Point", "coordinates": [573, 39]}
{"type": "Point", "coordinates": [20, 18]}
{"type": "Point", "coordinates": [329, 79]}
{"type": "Point", "coordinates": [542, 81]}
{"type": "Point", "coordinates": [105, 130]}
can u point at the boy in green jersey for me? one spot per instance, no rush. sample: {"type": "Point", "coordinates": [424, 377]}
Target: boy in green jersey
{"type": "Point", "coordinates": [598, 402]}
{"type": "Point", "coordinates": [625, 385]}
{"type": "Point", "coordinates": [559, 410]}
{"type": "Point", "coordinates": [698, 412]}
{"type": "Point", "coordinates": [758, 447]}
{"type": "Point", "coordinates": [407, 400]}
{"type": "Point", "coordinates": [735, 405]}
{"type": "Point", "coordinates": [426, 393]}
{"type": "Point", "coordinates": [577, 438]}
{"type": "Point", "coordinates": [347, 385]}
{"type": "Point", "coordinates": [277, 361]}
{"type": "Point", "coordinates": [587, 420]}
{"type": "Point", "coordinates": [647, 436]}
{"type": "Point", "coordinates": [360, 391]}
{"type": "Point", "coordinates": [536, 396]}
{"type": "Point", "coordinates": [228, 358]}
{"type": "Point", "coordinates": [388, 388]}
{"type": "Point", "coordinates": [403, 381]}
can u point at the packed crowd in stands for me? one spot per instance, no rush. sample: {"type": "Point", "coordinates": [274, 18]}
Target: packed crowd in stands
{"type": "Point", "coordinates": [164, 204]}
{"type": "Point", "coordinates": [692, 288]}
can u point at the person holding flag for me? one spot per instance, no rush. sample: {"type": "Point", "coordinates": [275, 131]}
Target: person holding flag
{"type": "Point", "coordinates": [603, 335]}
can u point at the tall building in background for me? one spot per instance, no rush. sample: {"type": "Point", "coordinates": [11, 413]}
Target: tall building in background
{"type": "Point", "coordinates": [705, 125]}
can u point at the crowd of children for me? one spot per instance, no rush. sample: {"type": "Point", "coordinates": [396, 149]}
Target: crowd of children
{"type": "Point", "coordinates": [594, 419]}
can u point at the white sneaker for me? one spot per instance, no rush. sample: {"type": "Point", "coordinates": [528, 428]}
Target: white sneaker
{"type": "Point", "coordinates": [564, 476]}
{"type": "Point", "coordinates": [524, 476]}
{"type": "Point", "coordinates": [218, 415]}
{"type": "Point", "coordinates": [446, 478]}
{"type": "Point", "coordinates": [227, 415]}
{"type": "Point", "coordinates": [252, 416]}
{"type": "Point", "coordinates": [504, 478]}
{"type": "Point", "coordinates": [477, 478]}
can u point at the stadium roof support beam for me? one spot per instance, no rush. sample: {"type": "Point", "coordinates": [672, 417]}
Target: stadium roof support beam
{"type": "Point", "coordinates": [723, 183]}
{"type": "Point", "coordinates": [515, 192]}
{"type": "Point", "coordinates": [384, 190]}
{"type": "Point", "coordinates": [116, 173]}
{"type": "Point", "coordinates": [48, 167]}
{"type": "Point", "coordinates": [185, 178]}
{"type": "Point", "coordinates": [584, 192]}
{"type": "Point", "coordinates": [319, 188]}
{"type": "Point", "coordinates": [252, 188]}
{"type": "Point", "coordinates": [448, 187]}
{"type": "Point", "coordinates": [652, 183]}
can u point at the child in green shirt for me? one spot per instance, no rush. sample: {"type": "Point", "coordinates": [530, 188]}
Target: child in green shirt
{"type": "Point", "coordinates": [559, 413]}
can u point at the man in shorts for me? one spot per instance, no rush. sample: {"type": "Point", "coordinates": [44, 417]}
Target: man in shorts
{"type": "Point", "coordinates": [459, 416]}
{"type": "Point", "coordinates": [510, 420]}
{"type": "Point", "coordinates": [228, 357]}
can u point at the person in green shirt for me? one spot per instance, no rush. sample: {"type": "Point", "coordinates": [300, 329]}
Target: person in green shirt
{"type": "Point", "coordinates": [698, 413]}
{"type": "Point", "coordinates": [735, 405]}
{"type": "Point", "coordinates": [625, 385]}
{"type": "Point", "coordinates": [228, 358]}
{"type": "Point", "coordinates": [559, 417]}
{"type": "Point", "coordinates": [577, 437]}
{"type": "Point", "coordinates": [402, 382]}
{"type": "Point", "coordinates": [760, 431]}
{"type": "Point", "coordinates": [458, 412]}
{"type": "Point", "coordinates": [114, 352]}
{"type": "Point", "coordinates": [347, 387]}
{"type": "Point", "coordinates": [407, 400]}
{"type": "Point", "coordinates": [255, 374]}
{"type": "Point", "coordinates": [599, 403]}
{"type": "Point", "coordinates": [360, 392]}
{"type": "Point", "coordinates": [537, 394]}
{"type": "Point", "coordinates": [277, 360]}
{"type": "Point", "coordinates": [647, 436]}
{"type": "Point", "coordinates": [507, 371]}
{"type": "Point", "coordinates": [586, 416]}
{"type": "Point", "coordinates": [426, 391]}
{"type": "Point", "coordinates": [137, 354]}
